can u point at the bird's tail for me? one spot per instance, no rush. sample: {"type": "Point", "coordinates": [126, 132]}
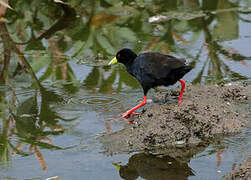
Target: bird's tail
{"type": "Point", "coordinates": [187, 68]}
{"type": "Point", "coordinates": [177, 74]}
{"type": "Point", "coordinates": [180, 72]}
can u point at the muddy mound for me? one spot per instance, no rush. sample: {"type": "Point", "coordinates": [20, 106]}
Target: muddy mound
{"type": "Point", "coordinates": [243, 173]}
{"type": "Point", "coordinates": [206, 113]}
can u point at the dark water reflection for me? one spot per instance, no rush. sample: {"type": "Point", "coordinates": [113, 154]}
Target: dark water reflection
{"type": "Point", "coordinates": [57, 94]}
{"type": "Point", "coordinates": [151, 167]}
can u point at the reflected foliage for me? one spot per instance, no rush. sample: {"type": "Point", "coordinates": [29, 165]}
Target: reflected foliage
{"type": "Point", "coordinates": [29, 123]}
{"type": "Point", "coordinates": [97, 83]}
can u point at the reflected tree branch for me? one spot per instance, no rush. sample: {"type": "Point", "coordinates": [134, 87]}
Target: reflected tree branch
{"type": "Point", "coordinates": [65, 21]}
{"type": "Point", "coordinates": [7, 52]}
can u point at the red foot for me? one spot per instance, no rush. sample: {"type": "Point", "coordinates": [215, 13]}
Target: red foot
{"type": "Point", "coordinates": [134, 113]}
{"type": "Point", "coordinates": [126, 115]}
{"type": "Point", "coordinates": [130, 112]}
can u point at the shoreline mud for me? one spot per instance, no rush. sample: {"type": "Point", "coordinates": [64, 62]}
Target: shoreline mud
{"type": "Point", "coordinates": [243, 173]}
{"type": "Point", "coordinates": [206, 115]}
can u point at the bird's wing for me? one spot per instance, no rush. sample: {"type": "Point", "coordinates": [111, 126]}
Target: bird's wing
{"type": "Point", "coordinates": [159, 65]}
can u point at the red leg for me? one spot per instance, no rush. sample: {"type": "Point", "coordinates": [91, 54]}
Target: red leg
{"type": "Point", "coordinates": [183, 84]}
{"type": "Point", "coordinates": [126, 115]}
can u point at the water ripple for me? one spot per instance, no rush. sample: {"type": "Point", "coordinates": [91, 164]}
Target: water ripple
{"type": "Point", "coordinates": [99, 100]}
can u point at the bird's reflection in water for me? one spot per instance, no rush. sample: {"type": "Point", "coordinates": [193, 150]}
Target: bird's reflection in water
{"type": "Point", "coordinates": [151, 167]}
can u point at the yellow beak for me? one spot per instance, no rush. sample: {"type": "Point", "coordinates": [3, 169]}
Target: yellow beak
{"type": "Point", "coordinates": [116, 166]}
{"type": "Point", "coordinates": [113, 61]}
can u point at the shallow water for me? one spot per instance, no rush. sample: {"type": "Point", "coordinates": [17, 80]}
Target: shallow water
{"type": "Point", "coordinates": [50, 120]}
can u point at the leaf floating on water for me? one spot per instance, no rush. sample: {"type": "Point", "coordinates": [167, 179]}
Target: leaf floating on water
{"type": "Point", "coordinates": [157, 18]}
{"type": "Point", "coordinates": [58, 1]}
{"type": "Point", "coordinates": [54, 178]}
{"type": "Point", "coordinates": [176, 15]}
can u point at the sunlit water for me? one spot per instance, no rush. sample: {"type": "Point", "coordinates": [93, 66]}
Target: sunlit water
{"type": "Point", "coordinates": [53, 130]}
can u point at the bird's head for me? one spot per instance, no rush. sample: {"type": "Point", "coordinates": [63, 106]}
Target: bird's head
{"type": "Point", "coordinates": [124, 56]}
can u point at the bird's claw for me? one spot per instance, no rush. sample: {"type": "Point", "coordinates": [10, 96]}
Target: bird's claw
{"type": "Point", "coordinates": [128, 114]}
{"type": "Point", "coordinates": [134, 113]}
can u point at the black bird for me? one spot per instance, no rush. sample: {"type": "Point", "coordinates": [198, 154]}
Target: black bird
{"type": "Point", "coordinates": [152, 69]}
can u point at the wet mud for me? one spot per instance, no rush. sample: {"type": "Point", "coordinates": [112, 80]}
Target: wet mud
{"type": "Point", "coordinates": [207, 114]}
{"type": "Point", "coordinates": [243, 173]}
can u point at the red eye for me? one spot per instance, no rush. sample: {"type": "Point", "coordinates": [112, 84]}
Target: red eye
{"type": "Point", "coordinates": [118, 55]}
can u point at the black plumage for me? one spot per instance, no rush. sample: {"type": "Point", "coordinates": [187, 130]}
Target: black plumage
{"type": "Point", "coordinates": [153, 69]}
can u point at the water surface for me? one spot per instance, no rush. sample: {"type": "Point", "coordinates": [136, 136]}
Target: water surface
{"type": "Point", "coordinates": [57, 96]}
